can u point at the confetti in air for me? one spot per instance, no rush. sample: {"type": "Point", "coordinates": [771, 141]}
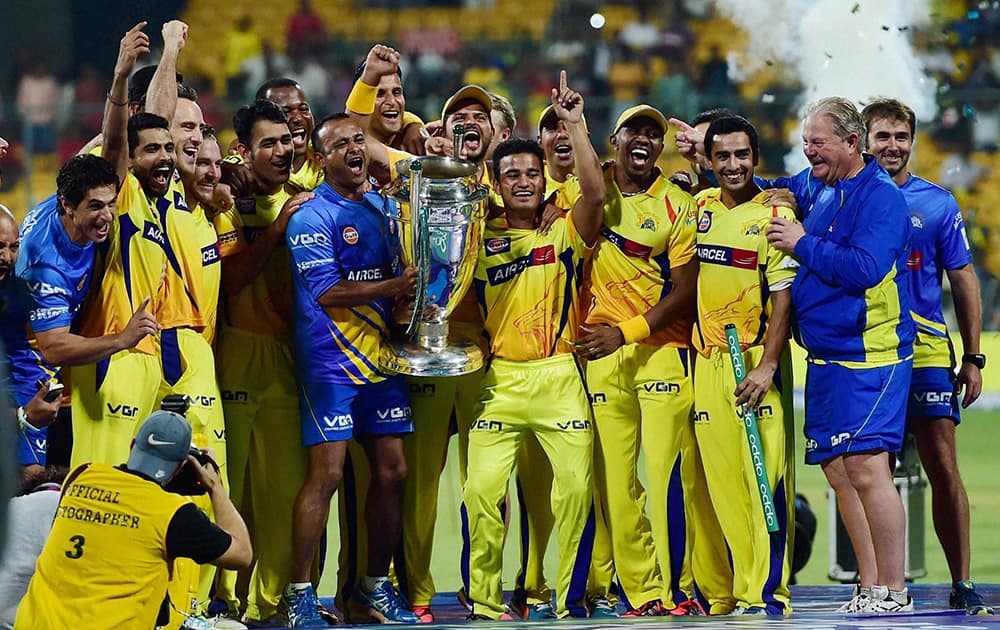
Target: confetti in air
{"type": "Point", "coordinates": [859, 52]}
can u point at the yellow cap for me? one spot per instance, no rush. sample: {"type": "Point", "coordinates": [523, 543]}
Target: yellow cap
{"type": "Point", "coordinates": [642, 110]}
{"type": "Point", "coordinates": [468, 92]}
{"type": "Point", "coordinates": [549, 112]}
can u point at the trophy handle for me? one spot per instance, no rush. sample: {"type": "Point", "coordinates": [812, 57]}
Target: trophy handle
{"type": "Point", "coordinates": [421, 247]}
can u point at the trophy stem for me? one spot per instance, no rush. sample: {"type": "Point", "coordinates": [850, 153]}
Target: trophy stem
{"type": "Point", "coordinates": [433, 335]}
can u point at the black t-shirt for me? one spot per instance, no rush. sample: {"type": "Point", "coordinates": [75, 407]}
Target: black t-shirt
{"type": "Point", "coordinates": [192, 535]}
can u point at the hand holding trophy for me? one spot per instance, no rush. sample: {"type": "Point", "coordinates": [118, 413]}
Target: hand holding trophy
{"type": "Point", "coordinates": [441, 212]}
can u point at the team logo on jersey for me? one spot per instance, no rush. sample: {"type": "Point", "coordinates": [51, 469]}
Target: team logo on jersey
{"type": "Point", "coordinates": [246, 206]}
{"type": "Point", "coordinates": [727, 256]}
{"type": "Point", "coordinates": [350, 235]}
{"type": "Point", "coordinates": [339, 422]}
{"type": "Point", "coordinates": [648, 222]}
{"type": "Point", "coordinates": [630, 248]}
{"type": "Point", "coordinates": [394, 414]}
{"type": "Point", "coordinates": [316, 238]}
{"type": "Point", "coordinates": [209, 254]}
{"type": "Point", "coordinates": [41, 289]}
{"type": "Point", "coordinates": [368, 273]}
{"type": "Point", "coordinates": [917, 221]}
{"type": "Point", "coordinates": [752, 230]}
{"type": "Point", "coordinates": [229, 395]}
{"type": "Point", "coordinates": [497, 245]}
{"type": "Point", "coordinates": [705, 222]}
{"type": "Point", "coordinates": [122, 410]}
{"type": "Point", "coordinates": [179, 202]}
{"type": "Point", "coordinates": [538, 257]}
{"type": "Point", "coordinates": [932, 398]}
{"type": "Point", "coordinates": [153, 232]}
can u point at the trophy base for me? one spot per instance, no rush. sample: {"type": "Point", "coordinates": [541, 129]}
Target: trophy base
{"type": "Point", "coordinates": [409, 359]}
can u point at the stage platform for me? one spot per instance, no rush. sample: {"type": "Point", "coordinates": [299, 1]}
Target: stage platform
{"type": "Point", "coordinates": [813, 607]}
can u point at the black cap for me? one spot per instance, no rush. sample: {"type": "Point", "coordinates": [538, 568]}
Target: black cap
{"type": "Point", "coordinates": [138, 83]}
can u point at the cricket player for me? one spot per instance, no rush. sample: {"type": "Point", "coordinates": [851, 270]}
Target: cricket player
{"type": "Point", "coordinates": [345, 255]}
{"type": "Point", "coordinates": [744, 281]}
{"type": "Point", "coordinates": [256, 369]}
{"type": "Point", "coordinates": [939, 246]}
{"type": "Point", "coordinates": [528, 288]}
{"type": "Point", "coordinates": [637, 338]}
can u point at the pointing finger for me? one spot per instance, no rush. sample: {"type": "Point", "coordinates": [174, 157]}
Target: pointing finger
{"type": "Point", "coordinates": [144, 304]}
{"type": "Point", "coordinates": [677, 122]}
{"type": "Point", "coordinates": [562, 80]}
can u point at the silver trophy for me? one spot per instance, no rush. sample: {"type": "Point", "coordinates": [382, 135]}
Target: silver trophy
{"type": "Point", "coordinates": [442, 209]}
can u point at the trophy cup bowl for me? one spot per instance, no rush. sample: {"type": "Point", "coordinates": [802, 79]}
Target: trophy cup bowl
{"type": "Point", "coordinates": [442, 209]}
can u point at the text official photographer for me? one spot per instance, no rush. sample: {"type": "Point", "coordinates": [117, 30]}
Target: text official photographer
{"type": "Point", "coordinates": [117, 530]}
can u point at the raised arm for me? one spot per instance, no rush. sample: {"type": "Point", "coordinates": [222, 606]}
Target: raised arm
{"type": "Point", "coordinates": [381, 61]}
{"type": "Point", "coordinates": [588, 211]}
{"type": "Point", "coordinates": [161, 97]}
{"type": "Point", "coordinates": [115, 127]}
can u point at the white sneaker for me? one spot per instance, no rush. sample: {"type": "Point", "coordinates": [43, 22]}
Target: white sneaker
{"type": "Point", "coordinates": [859, 600]}
{"type": "Point", "coordinates": [885, 601]}
{"type": "Point", "coordinates": [198, 622]}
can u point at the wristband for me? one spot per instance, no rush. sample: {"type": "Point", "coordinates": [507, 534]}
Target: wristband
{"type": "Point", "coordinates": [361, 100]}
{"type": "Point", "coordinates": [635, 329]}
{"type": "Point", "coordinates": [112, 100]}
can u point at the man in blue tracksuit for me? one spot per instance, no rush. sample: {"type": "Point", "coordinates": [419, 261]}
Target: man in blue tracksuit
{"type": "Point", "coordinates": [852, 314]}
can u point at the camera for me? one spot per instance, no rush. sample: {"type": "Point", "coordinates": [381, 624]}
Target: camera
{"type": "Point", "coordinates": [186, 481]}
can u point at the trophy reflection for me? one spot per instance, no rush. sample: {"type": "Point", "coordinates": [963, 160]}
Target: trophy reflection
{"type": "Point", "coordinates": [442, 209]}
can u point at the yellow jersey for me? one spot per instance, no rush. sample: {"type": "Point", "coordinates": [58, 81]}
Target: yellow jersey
{"type": "Point", "coordinates": [644, 235]}
{"type": "Point", "coordinates": [309, 175]}
{"type": "Point", "coordinates": [131, 266]}
{"type": "Point", "coordinates": [739, 269]}
{"type": "Point", "coordinates": [528, 286]}
{"type": "Point", "coordinates": [105, 562]}
{"type": "Point", "coordinates": [265, 305]}
{"type": "Point", "coordinates": [180, 307]}
{"type": "Point", "coordinates": [553, 186]}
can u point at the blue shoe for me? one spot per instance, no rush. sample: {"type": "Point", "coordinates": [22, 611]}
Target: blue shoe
{"type": "Point", "coordinates": [535, 612]}
{"type": "Point", "coordinates": [300, 608]}
{"type": "Point", "coordinates": [964, 595]}
{"type": "Point", "coordinates": [381, 606]}
{"type": "Point", "coordinates": [601, 608]}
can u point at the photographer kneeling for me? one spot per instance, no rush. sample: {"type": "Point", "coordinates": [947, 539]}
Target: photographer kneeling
{"type": "Point", "coordinates": [118, 529]}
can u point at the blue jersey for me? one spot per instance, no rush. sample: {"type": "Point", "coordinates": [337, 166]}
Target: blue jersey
{"type": "Point", "coordinates": [24, 365]}
{"type": "Point", "coordinates": [939, 244]}
{"type": "Point", "coordinates": [850, 297]}
{"type": "Point", "coordinates": [330, 239]}
{"type": "Point", "coordinates": [57, 271]}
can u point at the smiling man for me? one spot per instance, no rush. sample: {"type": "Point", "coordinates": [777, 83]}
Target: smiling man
{"type": "Point", "coordinates": [255, 366]}
{"type": "Point", "coordinates": [111, 395]}
{"type": "Point", "coordinates": [287, 94]}
{"type": "Point", "coordinates": [345, 253]}
{"type": "Point", "coordinates": [638, 331]}
{"type": "Point", "coordinates": [940, 246]}
{"type": "Point", "coordinates": [851, 310]}
{"type": "Point", "coordinates": [744, 281]}
{"type": "Point", "coordinates": [528, 287]}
